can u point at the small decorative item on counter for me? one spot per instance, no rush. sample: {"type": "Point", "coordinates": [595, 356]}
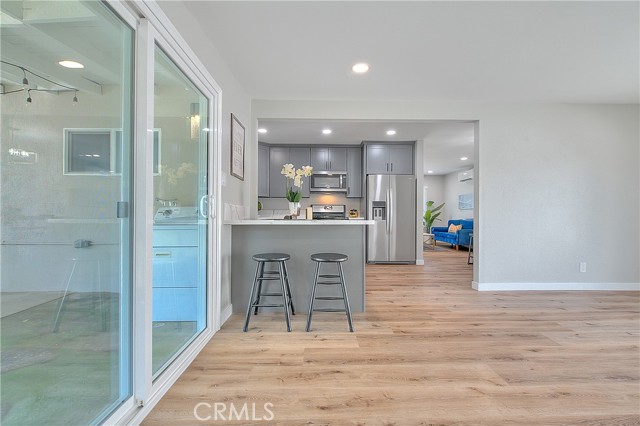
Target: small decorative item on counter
{"type": "Point", "coordinates": [259, 206]}
{"type": "Point", "coordinates": [294, 179]}
{"type": "Point", "coordinates": [309, 213]}
{"type": "Point", "coordinates": [353, 213]}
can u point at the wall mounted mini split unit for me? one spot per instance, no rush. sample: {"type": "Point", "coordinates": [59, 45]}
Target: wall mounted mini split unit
{"type": "Point", "coordinates": [465, 176]}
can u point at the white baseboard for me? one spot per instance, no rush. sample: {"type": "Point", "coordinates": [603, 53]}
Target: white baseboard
{"type": "Point", "coordinates": [555, 286]}
{"type": "Point", "coordinates": [419, 261]}
{"type": "Point", "coordinates": [226, 314]}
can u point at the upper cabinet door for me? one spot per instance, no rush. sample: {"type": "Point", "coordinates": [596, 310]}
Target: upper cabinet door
{"type": "Point", "coordinates": [337, 159]}
{"type": "Point", "coordinates": [377, 159]}
{"type": "Point", "coordinates": [277, 182]}
{"type": "Point", "coordinates": [354, 173]}
{"type": "Point", "coordinates": [319, 159]}
{"type": "Point", "coordinates": [263, 171]}
{"type": "Point", "coordinates": [300, 157]}
{"type": "Point", "coordinates": [401, 159]}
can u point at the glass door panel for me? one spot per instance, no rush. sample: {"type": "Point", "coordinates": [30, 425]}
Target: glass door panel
{"type": "Point", "coordinates": [180, 219]}
{"type": "Point", "coordinates": [65, 282]}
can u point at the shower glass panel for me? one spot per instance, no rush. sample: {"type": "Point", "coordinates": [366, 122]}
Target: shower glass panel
{"type": "Point", "coordinates": [180, 219]}
{"type": "Point", "coordinates": [65, 281]}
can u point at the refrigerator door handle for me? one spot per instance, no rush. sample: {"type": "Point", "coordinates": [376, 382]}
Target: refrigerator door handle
{"type": "Point", "coordinates": [390, 213]}
{"type": "Point", "coordinates": [388, 218]}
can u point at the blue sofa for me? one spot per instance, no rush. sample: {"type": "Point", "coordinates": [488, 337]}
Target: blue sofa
{"type": "Point", "coordinates": [460, 238]}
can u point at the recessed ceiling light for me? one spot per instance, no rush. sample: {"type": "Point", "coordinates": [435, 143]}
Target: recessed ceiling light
{"type": "Point", "coordinates": [71, 64]}
{"type": "Point", "coordinates": [326, 131]}
{"type": "Point", "coordinates": [360, 68]}
{"type": "Point", "coordinates": [429, 171]}
{"type": "Point", "coordinates": [262, 130]}
{"type": "Point", "coordinates": [391, 132]}
{"type": "Point", "coordinates": [463, 158]}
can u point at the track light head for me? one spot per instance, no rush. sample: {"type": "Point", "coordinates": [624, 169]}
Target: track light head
{"type": "Point", "coordinates": [29, 96]}
{"type": "Point", "coordinates": [75, 96]}
{"type": "Point", "coordinates": [25, 81]}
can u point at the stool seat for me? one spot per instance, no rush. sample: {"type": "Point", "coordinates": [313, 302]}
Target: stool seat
{"type": "Point", "coordinates": [261, 278]}
{"type": "Point", "coordinates": [329, 257]}
{"type": "Point", "coordinates": [271, 257]}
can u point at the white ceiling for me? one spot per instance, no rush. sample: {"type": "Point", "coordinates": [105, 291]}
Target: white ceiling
{"type": "Point", "coordinates": [569, 52]}
{"type": "Point", "coordinates": [574, 51]}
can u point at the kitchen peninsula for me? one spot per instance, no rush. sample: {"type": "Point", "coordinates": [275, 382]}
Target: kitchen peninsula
{"type": "Point", "coordinates": [299, 238]}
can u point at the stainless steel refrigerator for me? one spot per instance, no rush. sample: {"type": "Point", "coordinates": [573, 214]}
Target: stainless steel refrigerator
{"type": "Point", "coordinates": [391, 203]}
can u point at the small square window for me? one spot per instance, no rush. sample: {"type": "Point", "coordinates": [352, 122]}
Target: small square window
{"type": "Point", "coordinates": [88, 151]}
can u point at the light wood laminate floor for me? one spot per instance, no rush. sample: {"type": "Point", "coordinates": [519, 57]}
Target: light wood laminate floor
{"type": "Point", "coordinates": [429, 350]}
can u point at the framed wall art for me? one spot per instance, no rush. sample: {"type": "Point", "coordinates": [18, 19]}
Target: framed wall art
{"type": "Point", "coordinates": [237, 148]}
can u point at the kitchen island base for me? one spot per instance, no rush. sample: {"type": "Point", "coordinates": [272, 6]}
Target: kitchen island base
{"type": "Point", "coordinates": [300, 242]}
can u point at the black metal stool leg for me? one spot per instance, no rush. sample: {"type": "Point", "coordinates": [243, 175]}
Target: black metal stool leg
{"type": "Point", "coordinates": [257, 299]}
{"type": "Point", "coordinates": [253, 290]}
{"type": "Point", "coordinates": [346, 298]}
{"type": "Point", "coordinates": [286, 276]}
{"type": "Point", "coordinates": [285, 297]}
{"type": "Point", "coordinates": [313, 296]}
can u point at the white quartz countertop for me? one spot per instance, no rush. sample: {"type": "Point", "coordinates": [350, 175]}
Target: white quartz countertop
{"type": "Point", "coordinates": [351, 222]}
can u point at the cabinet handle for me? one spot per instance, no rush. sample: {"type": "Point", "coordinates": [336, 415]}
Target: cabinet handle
{"type": "Point", "coordinates": [387, 166]}
{"type": "Point", "coordinates": [391, 166]}
{"type": "Point", "coordinates": [162, 254]}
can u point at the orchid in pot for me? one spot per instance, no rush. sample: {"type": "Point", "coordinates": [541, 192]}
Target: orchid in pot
{"type": "Point", "coordinates": [294, 185]}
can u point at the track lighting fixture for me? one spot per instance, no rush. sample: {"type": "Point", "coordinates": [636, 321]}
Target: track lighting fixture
{"type": "Point", "coordinates": [25, 80]}
{"type": "Point", "coordinates": [29, 96]}
{"type": "Point", "coordinates": [75, 96]}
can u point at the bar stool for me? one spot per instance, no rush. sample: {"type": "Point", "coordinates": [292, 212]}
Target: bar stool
{"type": "Point", "coordinates": [262, 275]}
{"type": "Point", "coordinates": [336, 258]}
{"type": "Point", "coordinates": [470, 254]}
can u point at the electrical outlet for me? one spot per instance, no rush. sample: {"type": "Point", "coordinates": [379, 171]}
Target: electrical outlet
{"type": "Point", "coordinates": [583, 266]}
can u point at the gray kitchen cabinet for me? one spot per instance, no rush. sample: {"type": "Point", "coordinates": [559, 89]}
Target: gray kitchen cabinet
{"type": "Point", "coordinates": [401, 159]}
{"type": "Point", "coordinates": [320, 159]}
{"type": "Point", "coordinates": [387, 159]}
{"type": "Point", "coordinates": [377, 159]}
{"type": "Point", "coordinates": [263, 170]}
{"type": "Point", "coordinates": [278, 156]}
{"type": "Point", "coordinates": [354, 173]}
{"type": "Point", "coordinates": [329, 159]}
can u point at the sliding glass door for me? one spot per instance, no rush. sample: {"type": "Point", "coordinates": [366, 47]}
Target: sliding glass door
{"type": "Point", "coordinates": [180, 209]}
{"type": "Point", "coordinates": [65, 280]}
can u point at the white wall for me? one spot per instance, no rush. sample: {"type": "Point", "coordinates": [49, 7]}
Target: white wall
{"type": "Point", "coordinates": [550, 179]}
{"type": "Point", "coordinates": [435, 193]}
{"type": "Point", "coordinates": [452, 189]}
{"type": "Point", "coordinates": [234, 100]}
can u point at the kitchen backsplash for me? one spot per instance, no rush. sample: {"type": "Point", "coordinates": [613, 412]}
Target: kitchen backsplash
{"type": "Point", "coordinates": [282, 203]}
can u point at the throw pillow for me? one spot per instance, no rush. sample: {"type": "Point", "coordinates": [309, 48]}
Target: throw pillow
{"type": "Point", "coordinates": [454, 228]}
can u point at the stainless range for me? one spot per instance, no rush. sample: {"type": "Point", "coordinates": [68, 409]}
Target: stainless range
{"type": "Point", "coordinates": [329, 211]}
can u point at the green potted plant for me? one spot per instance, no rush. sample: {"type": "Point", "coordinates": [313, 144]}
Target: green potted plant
{"type": "Point", "coordinates": [431, 215]}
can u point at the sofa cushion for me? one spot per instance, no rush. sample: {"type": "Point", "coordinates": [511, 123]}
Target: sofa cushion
{"type": "Point", "coordinates": [454, 228]}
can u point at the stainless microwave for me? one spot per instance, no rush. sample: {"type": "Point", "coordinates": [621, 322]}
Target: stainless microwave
{"type": "Point", "coordinates": [328, 182]}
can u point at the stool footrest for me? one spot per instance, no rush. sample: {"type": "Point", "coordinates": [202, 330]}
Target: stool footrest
{"type": "Point", "coordinates": [329, 276]}
{"type": "Point", "coordinates": [269, 279]}
{"type": "Point", "coordinates": [329, 282]}
{"type": "Point", "coordinates": [329, 310]}
{"type": "Point", "coordinates": [271, 294]}
{"type": "Point", "coordinates": [329, 298]}
{"type": "Point", "coordinates": [267, 306]}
